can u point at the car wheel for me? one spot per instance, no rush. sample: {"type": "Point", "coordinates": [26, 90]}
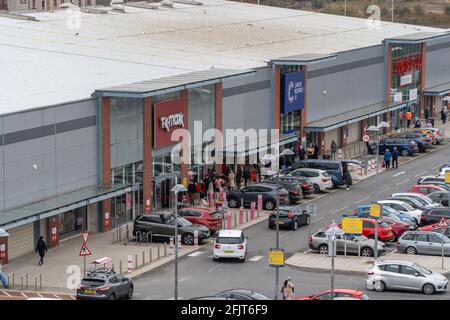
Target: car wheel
{"type": "Point", "coordinates": [323, 249]}
{"type": "Point", "coordinates": [367, 252]}
{"type": "Point", "coordinates": [381, 287]}
{"type": "Point", "coordinates": [243, 259]}
{"type": "Point", "coordinates": [316, 188]}
{"type": "Point", "coordinates": [232, 203]}
{"type": "Point", "coordinates": [428, 289]}
{"type": "Point", "coordinates": [130, 293]}
{"type": "Point", "coordinates": [295, 225]}
{"type": "Point", "coordinates": [112, 297]}
{"type": "Point", "coordinates": [405, 153]}
{"type": "Point", "coordinates": [215, 259]}
{"type": "Point", "coordinates": [269, 205]}
{"type": "Point", "coordinates": [411, 250]}
{"type": "Point", "coordinates": [188, 239]}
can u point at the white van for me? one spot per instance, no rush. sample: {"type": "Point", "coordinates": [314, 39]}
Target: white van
{"type": "Point", "coordinates": [230, 244]}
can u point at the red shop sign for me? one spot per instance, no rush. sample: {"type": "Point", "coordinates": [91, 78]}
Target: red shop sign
{"type": "Point", "coordinates": [407, 64]}
{"type": "Point", "coordinates": [169, 116]}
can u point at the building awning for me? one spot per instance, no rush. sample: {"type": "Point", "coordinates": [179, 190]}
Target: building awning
{"type": "Point", "coordinates": [415, 38]}
{"type": "Point", "coordinates": [59, 204]}
{"type": "Point", "coordinates": [440, 90]}
{"type": "Point", "coordinates": [179, 82]}
{"type": "Point", "coordinates": [303, 59]}
{"type": "Point", "coordinates": [343, 119]}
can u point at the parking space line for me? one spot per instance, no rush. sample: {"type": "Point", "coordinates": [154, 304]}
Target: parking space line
{"type": "Point", "coordinates": [317, 220]}
{"type": "Point", "coordinates": [6, 293]}
{"type": "Point", "coordinates": [435, 167]}
{"type": "Point", "coordinates": [285, 234]}
{"type": "Point", "coordinates": [213, 268]}
{"type": "Point", "coordinates": [24, 295]}
{"type": "Point", "coordinates": [388, 188]}
{"type": "Point", "coordinates": [255, 258]}
{"type": "Point", "coordinates": [406, 180]}
{"type": "Point", "coordinates": [420, 174]}
{"type": "Point", "coordinates": [398, 174]}
{"type": "Point", "coordinates": [363, 199]}
{"type": "Point", "coordinates": [196, 253]}
{"type": "Point", "coordinates": [340, 210]}
{"type": "Point", "coordinates": [307, 251]}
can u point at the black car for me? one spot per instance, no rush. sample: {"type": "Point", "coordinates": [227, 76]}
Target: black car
{"type": "Point", "coordinates": [290, 217]}
{"type": "Point", "coordinates": [305, 183]}
{"type": "Point", "coordinates": [250, 194]}
{"type": "Point", "coordinates": [242, 294]}
{"type": "Point", "coordinates": [422, 142]}
{"type": "Point", "coordinates": [434, 215]}
{"type": "Point", "coordinates": [105, 284]}
{"type": "Point", "coordinates": [295, 192]}
{"type": "Point", "coordinates": [440, 197]}
{"type": "Point", "coordinates": [162, 226]}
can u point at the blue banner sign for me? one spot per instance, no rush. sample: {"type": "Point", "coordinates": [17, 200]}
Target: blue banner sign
{"type": "Point", "coordinates": [292, 85]}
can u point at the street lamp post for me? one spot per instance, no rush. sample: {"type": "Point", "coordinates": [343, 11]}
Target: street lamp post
{"type": "Point", "coordinates": [178, 188]}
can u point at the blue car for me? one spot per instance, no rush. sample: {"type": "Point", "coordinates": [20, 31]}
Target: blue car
{"type": "Point", "coordinates": [364, 212]}
{"type": "Point", "coordinates": [405, 147]}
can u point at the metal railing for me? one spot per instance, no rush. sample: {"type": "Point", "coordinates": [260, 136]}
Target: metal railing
{"type": "Point", "coordinates": [25, 275]}
{"type": "Point", "coordinates": [13, 276]}
{"type": "Point", "coordinates": [36, 277]}
{"type": "Point", "coordinates": [148, 236]}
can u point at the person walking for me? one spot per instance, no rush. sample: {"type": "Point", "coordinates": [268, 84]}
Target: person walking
{"type": "Point", "coordinates": [231, 180]}
{"type": "Point", "coordinates": [3, 278]}
{"type": "Point", "coordinates": [395, 158]}
{"type": "Point", "coordinates": [316, 151]}
{"type": "Point", "coordinates": [417, 124]}
{"type": "Point", "coordinates": [191, 192]}
{"type": "Point", "coordinates": [333, 149]}
{"type": "Point", "coordinates": [310, 151]}
{"type": "Point", "coordinates": [41, 249]}
{"type": "Point", "coordinates": [288, 289]}
{"type": "Point", "coordinates": [387, 159]}
{"type": "Point", "coordinates": [246, 175]}
{"type": "Point", "coordinates": [427, 113]}
{"type": "Point", "coordinates": [443, 116]}
{"type": "Point", "coordinates": [301, 153]}
{"type": "Point", "coordinates": [408, 117]}
{"type": "Point", "coordinates": [347, 177]}
{"type": "Point", "coordinates": [238, 177]}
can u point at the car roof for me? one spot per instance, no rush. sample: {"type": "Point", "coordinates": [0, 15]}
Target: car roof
{"type": "Point", "coordinates": [309, 169]}
{"type": "Point", "coordinates": [404, 262]}
{"type": "Point", "coordinates": [391, 201]}
{"type": "Point", "coordinates": [426, 186]}
{"type": "Point", "coordinates": [408, 194]}
{"type": "Point", "coordinates": [230, 233]}
{"type": "Point", "coordinates": [350, 291]}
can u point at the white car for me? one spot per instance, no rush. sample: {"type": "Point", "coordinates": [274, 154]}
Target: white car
{"type": "Point", "coordinates": [320, 178]}
{"type": "Point", "coordinates": [230, 244]}
{"type": "Point", "coordinates": [403, 207]}
{"type": "Point", "coordinates": [423, 199]}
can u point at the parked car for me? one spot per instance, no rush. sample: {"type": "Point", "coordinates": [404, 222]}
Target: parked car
{"type": "Point", "coordinates": [436, 228]}
{"type": "Point", "coordinates": [402, 207]}
{"type": "Point", "coordinates": [398, 227]}
{"type": "Point", "coordinates": [440, 197]}
{"type": "Point", "coordinates": [435, 133]}
{"type": "Point", "coordinates": [385, 233]}
{"type": "Point", "coordinates": [304, 183]}
{"type": "Point", "coordinates": [405, 147]}
{"type": "Point", "coordinates": [230, 244]}
{"type": "Point", "coordinates": [105, 284]}
{"type": "Point", "coordinates": [319, 242]}
{"type": "Point", "coordinates": [443, 185]}
{"type": "Point", "coordinates": [423, 242]}
{"type": "Point", "coordinates": [426, 201]}
{"type": "Point", "coordinates": [425, 179]}
{"type": "Point", "coordinates": [337, 293]}
{"type": "Point", "coordinates": [411, 201]}
{"type": "Point", "coordinates": [289, 218]}
{"type": "Point", "coordinates": [434, 215]}
{"type": "Point", "coordinates": [426, 188]}
{"type": "Point", "coordinates": [333, 167]}
{"type": "Point", "coordinates": [295, 191]}
{"type": "Point", "coordinates": [404, 275]}
{"type": "Point", "coordinates": [162, 226]}
{"type": "Point", "coordinates": [250, 194]}
{"type": "Point", "coordinates": [242, 294]}
{"type": "Point", "coordinates": [364, 211]}
{"type": "Point", "coordinates": [320, 178]}
{"type": "Point", "coordinates": [423, 142]}
{"type": "Point", "coordinates": [210, 218]}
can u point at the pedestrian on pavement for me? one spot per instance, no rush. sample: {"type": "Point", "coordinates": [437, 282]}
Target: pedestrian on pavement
{"type": "Point", "coordinates": [316, 151]}
{"type": "Point", "coordinates": [310, 151]}
{"type": "Point", "coordinates": [333, 149]}
{"type": "Point", "coordinates": [395, 158]}
{"type": "Point", "coordinates": [301, 153]}
{"type": "Point", "coordinates": [247, 175]}
{"type": "Point", "coordinates": [288, 289]}
{"type": "Point", "coordinates": [238, 177]}
{"type": "Point", "coordinates": [443, 116]}
{"type": "Point", "coordinates": [254, 175]}
{"type": "Point", "coordinates": [417, 124]}
{"type": "Point", "coordinates": [3, 278]}
{"type": "Point", "coordinates": [427, 113]}
{"type": "Point", "coordinates": [347, 177]}
{"type": "Point", "coordinates": [387, 159]}
{"type": "Point", "coordinates": [408, 117]}
{"type": "Point", "coordinates": [191, 192]}
{"type": "Point", "coordinates": [41, 249]}
{"type": "Point", "coordinates": [231, 180]}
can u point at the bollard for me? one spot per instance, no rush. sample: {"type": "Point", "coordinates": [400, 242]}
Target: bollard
{"type": "Point", "coordinates": [165, 248]}
{"type": "Point", "coordinates": [136, 261]}
{"type": "Point", "coordinates": [112, 266]}
{"type": "Point", "coordinates": [35, 283]}
{"type": "Point", "coordinates": [171, 245]}
{"type": "Point", "coordinates": [120, 266]}
{"type": "Point", "coordinates": [13, 279]}
{"type": "Point", "coordinates": [196, 238]}
{"type": "Point", "coordinates": [127, 232]}
{"type": "Point", "coordinates": [130, 264]}
{"type": "Point", "coordinates": [159, 254]}
{"type": "Point", "coordinates": [246, 215]}
{"type": "Point", "coordinates": [114, 234]}
{"type": "Point", "coordinates": [235, 220]}
{"type": "Point", "coordinates": [26, 281]}
{"type": "Point", "coordinates": [252, 211]}
{"type": "Point", "coordinates": [143, 258]}
{"type": "Point", "coordinates": [241, 215]}
{"type": "Point", "coordinates": [179, 242]}
{"type": "Point", "coordinates": [150, 256]}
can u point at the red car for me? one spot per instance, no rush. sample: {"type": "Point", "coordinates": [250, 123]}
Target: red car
{"type": "Point", "coordinates": [385, 233]}
{"type": "Point", "coordinates": [338, 293]}
{"type": "Point", "coordinates": [431, 227]}
{"type": "Point", "coordinates": [398, 227]}
{"type": "Point", "coordinates": [208, 217]}
{"type": "Point", "coordinates": [426, 188]}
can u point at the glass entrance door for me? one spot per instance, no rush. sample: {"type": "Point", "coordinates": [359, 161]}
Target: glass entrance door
{"type": "Point", "coordinates": [162, 194]}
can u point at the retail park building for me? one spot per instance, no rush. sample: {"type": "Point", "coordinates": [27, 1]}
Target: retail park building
{"type": "Point", "coordinates": [82, 143]}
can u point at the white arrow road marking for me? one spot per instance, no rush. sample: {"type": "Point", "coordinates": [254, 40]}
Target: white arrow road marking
{"type": "Point", "coordinates": [420, 174]}
{"type": "Point", "coordinates": [406, 180]}
{"type": "Point", "coordinates": [255, 258]}
{"type": "Point", "coordinates": [196, 253]}
{"type": "Point", "coordinates": [400, 173]}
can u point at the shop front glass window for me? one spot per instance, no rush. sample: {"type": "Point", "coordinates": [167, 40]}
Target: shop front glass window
{"type": "Point", "coordinates": [72, 222]}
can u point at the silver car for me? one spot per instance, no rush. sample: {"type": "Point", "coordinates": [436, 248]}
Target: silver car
{"type": "Point", "coordinates": [366, 247]}
{"type": "Point", "coordinates": [404, 275]}
{"type": "Point", "coordinates": [423, 242]}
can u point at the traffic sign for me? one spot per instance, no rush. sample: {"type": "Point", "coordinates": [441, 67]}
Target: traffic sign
{"type": "Point", "coordinates": [276, 257]}
{"type": "Point", "coordinates": [447, 176]}
{"type": "Point", "coordinates": [351, 225]}
{"type": "Point", "coordinates": [375, 210]}
{"type": "Point", "coordinates": [366, 138]}
{"type": "Point", "coordinates": [85, 236]}
{"type": "Point", "coordinates": [443, 223]}
{"type": "Point", "coordinates": [84, 251]}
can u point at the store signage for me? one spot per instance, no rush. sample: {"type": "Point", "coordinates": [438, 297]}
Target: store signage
{"type": "Point", "coordinates": [128, 201]}
{"type": "Point", "coordinates": [169, 115]}
{"type": "Point", "coordinates": [407, 64]}
{"type": "Point", "coordinates": [406, 79]}
{"type": "Point", "coordinates": [398, 97]}
{"type": "Point", "coordinates": [293, 91]}
{"type": "Point", "coordinates": [413, 94]}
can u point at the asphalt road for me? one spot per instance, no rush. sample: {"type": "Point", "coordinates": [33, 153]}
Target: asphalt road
{"type": "Point", "coordinates": [200, 276]}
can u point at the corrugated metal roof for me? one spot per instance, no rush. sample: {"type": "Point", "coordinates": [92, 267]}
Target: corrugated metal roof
{"type": "Point", "coordinates": [303, 59]}
{"type": "Point", "coordinates": [416, 37]}
{"type": "Point", "coordinates": [173, 83]}
{"type": "Point", "coordinates": [439, 90]}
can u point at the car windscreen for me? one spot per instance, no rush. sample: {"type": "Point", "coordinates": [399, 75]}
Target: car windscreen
{"type": "Point", "coordinates": [383, 224]}
{"type": "Point", "coordinates": [325, 174]}
{"type": "Point", "coordinates": [88, 282]}
{"type": "Point", "coordinates": [422, 269]}
{"type": "Point", "coordinates": [258, 296]}
{"type": "Point", "coordinates": [228, 240]}
{"type": "Point", "coordinates": [408, 206]}
{"type": "Point", "coordinates": [183, 222]}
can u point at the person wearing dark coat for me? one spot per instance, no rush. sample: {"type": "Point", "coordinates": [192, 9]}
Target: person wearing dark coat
{"type": "Point", "coordinates": [238, 177]}
{"type": "Point", "coordinates": [347, 177]}
{"type": "Point", "coordinates": [316, 151]}
{"type": "Point", "coordinates": [41, 249]}
{"type": "Point", "coordinates": [395, 158]}
{"type": "Point", "coordinates": [247, 175]}
{"type": "Point", "coordinates": [301, 153]}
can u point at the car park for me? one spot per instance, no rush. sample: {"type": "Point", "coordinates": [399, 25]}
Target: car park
{"type": "Point", "coordinates": [354, 244]}
{"type": "Point", "coordinates": [398, 227]}
{"type": "Point", "coordinates": [405, 147]}
{"type": "Point", "coordinates": [434, 215]}
{"type": "Point", "coordinates": [337, 294]}
{"type": "Point", "coordinates": [210, 218]}
{"type": "Point", "coordinates": [162, 226]}
{"type": "Point", "coordinates": [242, 294]}
{"type": "Point", "coordinates": [304, 183]}
{"type": "Point", "coordinates": [294, 191]}
{"type": "Point", "coordinates": [411, 201]}
{"type": "Point", "coordinates": [230, 244]}
{"type": "Point", "coordinates": [442, 223]}
{"type": "Point", "coordinates": [288, 218]}
{"type": "Point", "coordinates": [105, 284]}
{"type": "Point", "coordinates": [440, 197]}
{"type": "Point", "coordinates": [404, 275]}
{"type": "Point", "coordinates": [426, 201]}
{"type": "Point", "coordinates": [320, 178]}
{"type": "Point", "coordinates": [250, 194]}
{"type": "Point", "coordinates": [423, 142]}
{"type": "Point", "coordinates": [385, 233]}
{"type": "Point", "coordinates": [402, 207]}
{"type": "Point", "coordinates": [364, 211]}
{"type": "Point", "coordinates": [423, 242]}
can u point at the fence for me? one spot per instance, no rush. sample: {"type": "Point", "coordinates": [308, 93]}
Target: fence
{"type": "Point", "coordinates": [122, 233]}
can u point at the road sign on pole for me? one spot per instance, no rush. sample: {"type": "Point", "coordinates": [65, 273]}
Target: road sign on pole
{"type": "Point", "coordinates": [84, 251]}
{"type": "Point", "coordinates": [366, 138]}
{"type": "Point", "coordinates": [352, 225]}
{"type": "Point", "coordinates": [447, 176]}
{"type": "Point", "coordinates": [85, 235]}
{"type": "Point", "coordinates": [443, 223]}
{"type": "Point", "coordinates": [375, 210]}
{"type": "Point", "coordinates": [276, 257]}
